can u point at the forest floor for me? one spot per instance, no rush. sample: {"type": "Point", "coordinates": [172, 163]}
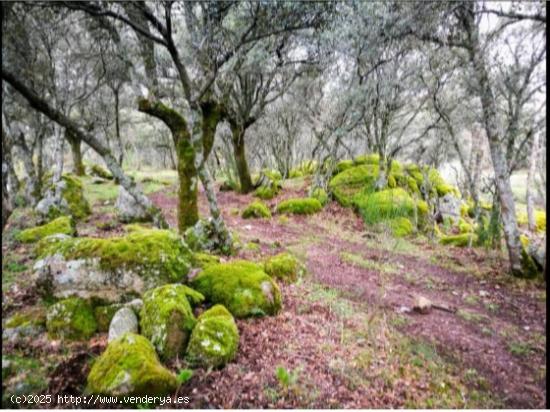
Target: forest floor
{"type": "Point", "coordinates": [345, 336]}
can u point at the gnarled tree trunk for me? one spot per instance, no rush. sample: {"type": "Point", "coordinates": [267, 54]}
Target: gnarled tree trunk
{"type": "Point", "coordinates": [531, 182]}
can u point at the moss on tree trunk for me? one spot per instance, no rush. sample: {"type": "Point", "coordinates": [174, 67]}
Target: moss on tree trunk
{"type": "Point", "coordinates": [245, 180]}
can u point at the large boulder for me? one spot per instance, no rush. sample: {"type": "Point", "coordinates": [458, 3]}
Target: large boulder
{"type": "Point", "coordinates": [167, 319]}
{"type": "Point", "coordinates": [124, 320]}
{"type": "Point", "coordinates": [72, 319]}
{"type": "Point", "coordinates": [241, 286]}
{"type": "Point", "coordinates": [111, 269]}
{"type": "Point", "coordinates": [129, 210]}
{"type": "Point", "coordinates": [214, 339]}
{"type": "Point", "coordinates": [130, 366]}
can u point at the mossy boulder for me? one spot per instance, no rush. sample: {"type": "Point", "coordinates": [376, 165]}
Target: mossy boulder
{"type": "Point", "coordinates": [99, 171]}
{"type": "Point", "coordinates": [387, 204]}
{"type": "Point", "coordinates": [321, 195]}
{"type": "Point", "coordinates": [267, 192]}
{"type": "Point", "coordinates": [111, 269]}
{"type": "Point", "coordinates": [283, 266]}
{"type": "Point", "coordinates": [214, 339]}
{"type": "Point", "coordinates": [300, 206]}
{"type": "Point", "coordinates": [167, 319]}
{"type": "Point", "coordinates": [72, 192]}
{"type": "Point", "coordinates": [72, 319]}
{"type": "Point", "coordinates": [129, 210]}
{"type": "Point", "coordinates": [202, 259]}
{"type": "Point", "coordinates": [461, 240]}
{"type": "Point", "coordinates": [464, 226]}
{"type": "Point", "coordinates": [63, 224]}
{"type": "Point", "coordinates": [241, 286]}
{"type": "Point", "coordinates": [256, 209]}
{"type": "Point", "coordinates": [201, 236]}
{"type": "Point", "coordinates": [28, 322]}
{"type": "Point", "coordinates": [130, 366]}
{"type": "Point", "coordinates": [353, 180]}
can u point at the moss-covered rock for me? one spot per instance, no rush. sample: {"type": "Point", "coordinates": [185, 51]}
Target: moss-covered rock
{"type": "Point", "coordinates": [111, 268]}
{"type": "Point", "coordinates": [283, 266]}
{"type": "Point", "coordinates": [370, 158]}
{"type": "Point", "coordinates": [267, 192]}
{"type": "Point", "coordinates": [461, 240]}
{"type": "Point", "coordinates": [73, 193]}
{"type": "Point", "coordinates": [321, 195]}
{"type": "Point", "coordinates": [464, 227]}
{"type": "Point", "coordinates": [202, 237]}
{"type": "Point", "coordinates": [130, 366]}
{"type": "Point", "coordinates": [167, 319]}
{"type": "Point", "coordinates": [353, 180]}
{"type": "Point", "coordinates": [99, 171]}
{"type": "Point", "coordinates": [300, 206]}
{"type": "Point", "coordinates": [214, 339]}
{"type": "Point", "coordinates": [28, 322]}
{"type": "Point", "coordinates": [401, 226]}
{"type": "Point", "coordinates": [256, 209]}
{"type": "Point", "coordinates": [63, 224]}
{"type": "Point", "coordinates": [72, 319]}
{"type": "Point", "coordinates": [241, 286]}
{"type": "Point", "coordinates": [375, 207]}
{"type": "Point", "coordinates": [202, 259]}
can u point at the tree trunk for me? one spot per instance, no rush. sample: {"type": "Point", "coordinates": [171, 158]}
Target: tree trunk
{"type": "Point", "coordinates": [531, 182]}
{"type": "Point", "coordinates": [32, 186]}
{"type": "Point", "coordinates": [245, 180]}
{"type": "Point", "coordinates": [40, 161]}
{"type": "Point", "coordinates": [76, 151]}
{"type": "Point", "coordinates": [188, 211]}
{"type": "Point", "coordinates": [498, 156]}
{"type": "Point", "coordinates": [117, 128]}
{"type": "Point", "coordinates": [110, 161]}
{"type": "Point", "coordinates": [58, 167]}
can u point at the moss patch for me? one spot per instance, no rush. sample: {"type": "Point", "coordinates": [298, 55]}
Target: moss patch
{"type": "Point", "coordinates": [202, 259]}
{"type": "Point", "coordinates": [353, 180]}
{"type": "Point", "coordinates": [256, 209]}
{"type": "Point", "coordinates": [214, 339]}
{"type": "Point", "coordinates": [321, 195]}
{"type": "Point", "coordinates": [129, 366]}
{"type": "Point", "coordinates": [99, 171]}
{"type": "Point", "coordinates": [241, 286]}
{"type": "Point", "coordinates": [283, 266]}
{"type": "Point", "coordinates": [461, 240]}
{"type": "Point", "coordinates": [158, 255]}
{"type": "Point", "coordinates": [266, 192]}
{"type": "Point", "coordinates": [401, 226]}
{"type": "Point", "coordinates": [305, 206]}
{"type": "Point", "coordinates": [167, 319]}
{"type": "Point", "coordinates": [71, 318]}
{"type": "Point", "coordinates": [385, 204]}
{"type": "Point", "coordinates": [73, 194]}
{"type": "Point", "coordinates": [63, 224]}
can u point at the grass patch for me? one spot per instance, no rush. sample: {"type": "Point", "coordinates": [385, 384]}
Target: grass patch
{"type": "Point", "coordinates": [359, 261]}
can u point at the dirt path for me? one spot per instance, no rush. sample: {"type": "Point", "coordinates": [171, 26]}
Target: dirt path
{"type": "Point", "coordinates": [496, 339]}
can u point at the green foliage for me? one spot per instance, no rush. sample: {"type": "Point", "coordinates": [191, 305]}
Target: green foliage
{"type": "Point", "coordinates": [401, 226]}
{"type": "Point", "coordinates": [166, 319]}
{"type": "Point", "coordinates": [267, 192]}
{"type": "Point", "coordinates": [214, 339]}
{"type": "Point", "coordinates": [184, 376]}
{"type": "Point", "coordinates": [129, 366]}
{"type": "Point", "coordinates": [63, 224]}
{"type": "Point", "coordinates": [71, 318]}
{"type": "Point", "coordinates": [202, 259]}
{"type": "Point", "coordinates": [306, 168]}
{"type": "Point", "coordinates": [461, 240]}
{"type": "Point", "coordinates": [286, 379]}
{"type": "Point", "coordinates": [241, 286]}
{"type": "Point", "coordinates": [159, 255]}
{"type": "Point", "coordinates": [283, 266]}
{"type": "Point", "coordinates": [383, 205]}
{"type": "Point", "coordinates": [540, 220]}
{"type": "Point", "coordinates": [305, 206]}
{"type": "Point", "coordinates": [256, 209]}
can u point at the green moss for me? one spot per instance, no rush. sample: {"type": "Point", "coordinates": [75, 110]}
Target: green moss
{"type": "Point", "coordinates": [321, 195]}
{"type": "Point", "coordinates": [267, 192]}
{"type": "Point", "coordinates": [343, 165]}
{"type": "Point", "coordinates": [461, 240]}
{"type": "Point", "coordinates": [73, 194]}
{"type": "Point", "coordinates": [256, 209]}
{"type": "Point", "coordinates": [464, 227]}
{"type": "Point", "coordinates": [241, 286]}
{"type": "Point", "coordinates": [540, 220]}
{"type": "Point", "coordinates": [129, 366]}
{"type": "Point", "coordinates": [373, 159]}
{"type": "Point", "coordinates": [529, 268]}
{"type": "Point", "coordinates": [214, 339]}
{"type": "Point", "coordinates": [71, 318]}
{"type": "Point", "coordinates": [167, 319]}
{"type": "Point", "coordinates": [104, 314]}
{"type": "Point", "coordinates": [32, 316]}
{"type": "Point", "coordinates": [305, 206]}
{"type": "Point", "coordinates": [63, 224]}
{"type": "Point", "coordinates": [385, 204]}
{"type": "Point", "coordinates": [401, 226]}
{"type": "Point", "coordinates": [283, 266]}
{"type": "Point", "coordinates": [157, 255]}
{"type": "Point", "coordinates": [524, 240]}
{"type": "Point", "coordinates": [444, 188]}
{"type": "Point", "coordinates": [99, 171]}
{"type": "Point", "coordinates": [202, 259]}
{"type": "Point", "coordinates": [392, 183]}
{"type": "Point", "coordinates": [305, 168]}
{"type": "Point", "coordinates": [253, 246]}
{"type": "Point", "coordinates": [353, 180]}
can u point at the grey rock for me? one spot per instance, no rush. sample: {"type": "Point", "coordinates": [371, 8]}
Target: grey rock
{"type": "Point", "coordinates": [125, 320]}
{"type": "Point", "coordinates": [128, 209]}
{"type": "Point", "coordinates": [135, 305]}
{"type": "Point", "coordinates": [449, 206]}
